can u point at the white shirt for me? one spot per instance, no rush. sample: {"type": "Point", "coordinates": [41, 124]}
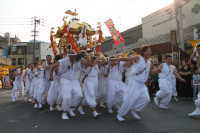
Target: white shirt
{"type": "Point", "coordinates": [139, 71]}
{"type": "Point", "coordinates": [69, 71]}
{"type": "Point", "coordinates": [165, 73]}
{"type": "Point", "coordinates": [115, 72]}
{"type": "Point", "coordinates": [93, 71]}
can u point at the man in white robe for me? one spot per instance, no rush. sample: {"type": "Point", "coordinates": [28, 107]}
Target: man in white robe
{"type": "Point", "coordinates": [136, 97]}
{"type": "Point", "coordinates": [71, 93]}
{"type": "Point", "coordinates": [116, 88]}
{"type": "Point", "coordinates": [164, 95]}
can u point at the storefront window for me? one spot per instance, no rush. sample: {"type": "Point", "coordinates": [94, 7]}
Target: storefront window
{"type": "Point", "coordinates": [14, 61]}
{"type": "Point", "coordinates": [21, 61]}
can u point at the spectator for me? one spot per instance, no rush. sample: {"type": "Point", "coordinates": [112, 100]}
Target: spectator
{"type": "Point", "coordinates": [185, 89]}
{"type": "Point", "coordinates": [196, 82]}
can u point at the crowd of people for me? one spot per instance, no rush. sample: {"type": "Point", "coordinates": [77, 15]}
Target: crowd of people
{"type": "Point", "coordinates": [76, 80]}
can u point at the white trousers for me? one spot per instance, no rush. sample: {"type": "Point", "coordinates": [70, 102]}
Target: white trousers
{"type": "Point", "coordinates": [27, 86]}
{"type": "Point", "coordinates": [15, 90]}
{"type": "Point", "coordinates": [136, 98]}
{"type": "Point", "coordinates": [174, 91]}
{"type": "Point", "coordinates": [102, 89]}
{"type": "Point", "coordinates": [39, 90]}
{"type": "Point", "coordinates": [115, 93]}
{"type": "Point", "coordinates": [71, 93]}
{"type": "Point", "coordinates": [197, 102]}
{"type": "Point", "coordinates": [52, 95]}
{"type": "Point", "coordinates": [32, 87]}
{"type": "Point", "coordinates": [90, 88]}
{"type": "Point", "coordinates": [165, 93]}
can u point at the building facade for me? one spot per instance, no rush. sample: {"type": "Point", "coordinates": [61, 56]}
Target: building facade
{"type": "Point", "coordinates": [158, 25]}
{"type": "Point", "coordinates": [5, 42]}
{"type": "Point", "coordinates": [22, 53]}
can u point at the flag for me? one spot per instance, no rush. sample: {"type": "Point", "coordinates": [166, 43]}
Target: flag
{"type": "Point", "coordinates": [116, 36]}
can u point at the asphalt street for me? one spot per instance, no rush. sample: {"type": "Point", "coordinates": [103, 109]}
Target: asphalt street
{"type": "Point", "coordinates": [21, 117]}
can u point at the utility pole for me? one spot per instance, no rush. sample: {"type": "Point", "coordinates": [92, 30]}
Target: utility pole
{"type": "Point", "coordinates": [178, 4]}
{"type": "Point", "coordinates": [36, 22]}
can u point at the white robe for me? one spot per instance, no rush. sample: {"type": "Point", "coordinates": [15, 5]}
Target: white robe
{"type": "Point", "coordinates": [39, 89]}
{"type": "Point", "coordinates": [116, 88]}
{"type": "Point", "coordinates": [71, 93]}
{"type": "Point", "coordinates": [102, 83]}
{"type": "Point", "coordinates": [173, 79]}
{"type": "Point", "coordinates": [27, 81]}
{"type": "Point", "coordinates": [47, 81]}
{"type": "Point", "coordinates": [17, 86]}
{"type": "Point", "coordinates": [136, 96]}
{"type": "Point", "coordinates": [54, 89]}
{"type": "Point", "coordinates": [32, 83]}
{"type": "Point", "coordinates": [165, 93]}
{"type": "Point", "coordinates": [90, 86]}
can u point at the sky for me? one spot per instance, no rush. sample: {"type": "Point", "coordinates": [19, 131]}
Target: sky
{"type": "Point", "coordinates": [16, 15]}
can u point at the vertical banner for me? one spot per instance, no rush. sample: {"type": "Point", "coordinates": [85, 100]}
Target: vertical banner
{"type": "Point", "coordinates": [116, 36]}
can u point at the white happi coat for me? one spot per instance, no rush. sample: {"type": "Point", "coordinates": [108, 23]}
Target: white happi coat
{"type": "Point", "coordinates": [165, 93]}
{"type": "Point", "coordinates": [39, 87]}
{"type": "Point", "coordinates": [173, 79]}
{"type": "Point", "coordinates": [70, 83]}
{"type": "Point", "coordinates": [136, 96]}
{"type": "Point", "coordinates": [90, 86]}
{"type": "Point", "coordinates": [116, 88]}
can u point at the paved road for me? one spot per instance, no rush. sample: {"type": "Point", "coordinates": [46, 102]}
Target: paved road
{"type": "Point", "coordinates": [22, 118]}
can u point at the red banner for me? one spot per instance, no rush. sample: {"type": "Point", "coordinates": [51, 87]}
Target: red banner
{"type": "Point", "coordinates": [116, 36]}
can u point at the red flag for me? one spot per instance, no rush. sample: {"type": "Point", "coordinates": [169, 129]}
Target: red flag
{"type": "Point", "coordinates": [116, 36]}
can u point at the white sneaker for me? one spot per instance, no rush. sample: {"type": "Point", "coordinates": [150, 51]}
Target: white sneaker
{"type": "Point", "coordinates": [156, 101]}
{"type": "Point", "coordinates": [80, 109]}
{"type": "Point", "coordinates": [95, 114]}
{"type": "Point", "coordinates": [196, 112]}
{"type": "Point", "coordinates": [135, 115]}
{"type": "Point", "coordinates": [35, 106]}
{"type": "Point", "coordinates": [71, 113]}
{"type": "Point", "coordinates": [58, 108]}
{"type": "Point", "coordinates": [40, 106]}
{"type": "Point", "coordinates": [65, 116]}
{"type": "Point", "coordinates": [120, 118]}
{"type": "Point", "coordinates": [51, 109]}
{"type": "Point", "coordinates": [110, 111]}
{"type": "Point", "coordinates": [163, 107]}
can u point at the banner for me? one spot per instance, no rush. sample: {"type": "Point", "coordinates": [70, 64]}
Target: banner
{"type": "Point", "coordinates": [116, 36]}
